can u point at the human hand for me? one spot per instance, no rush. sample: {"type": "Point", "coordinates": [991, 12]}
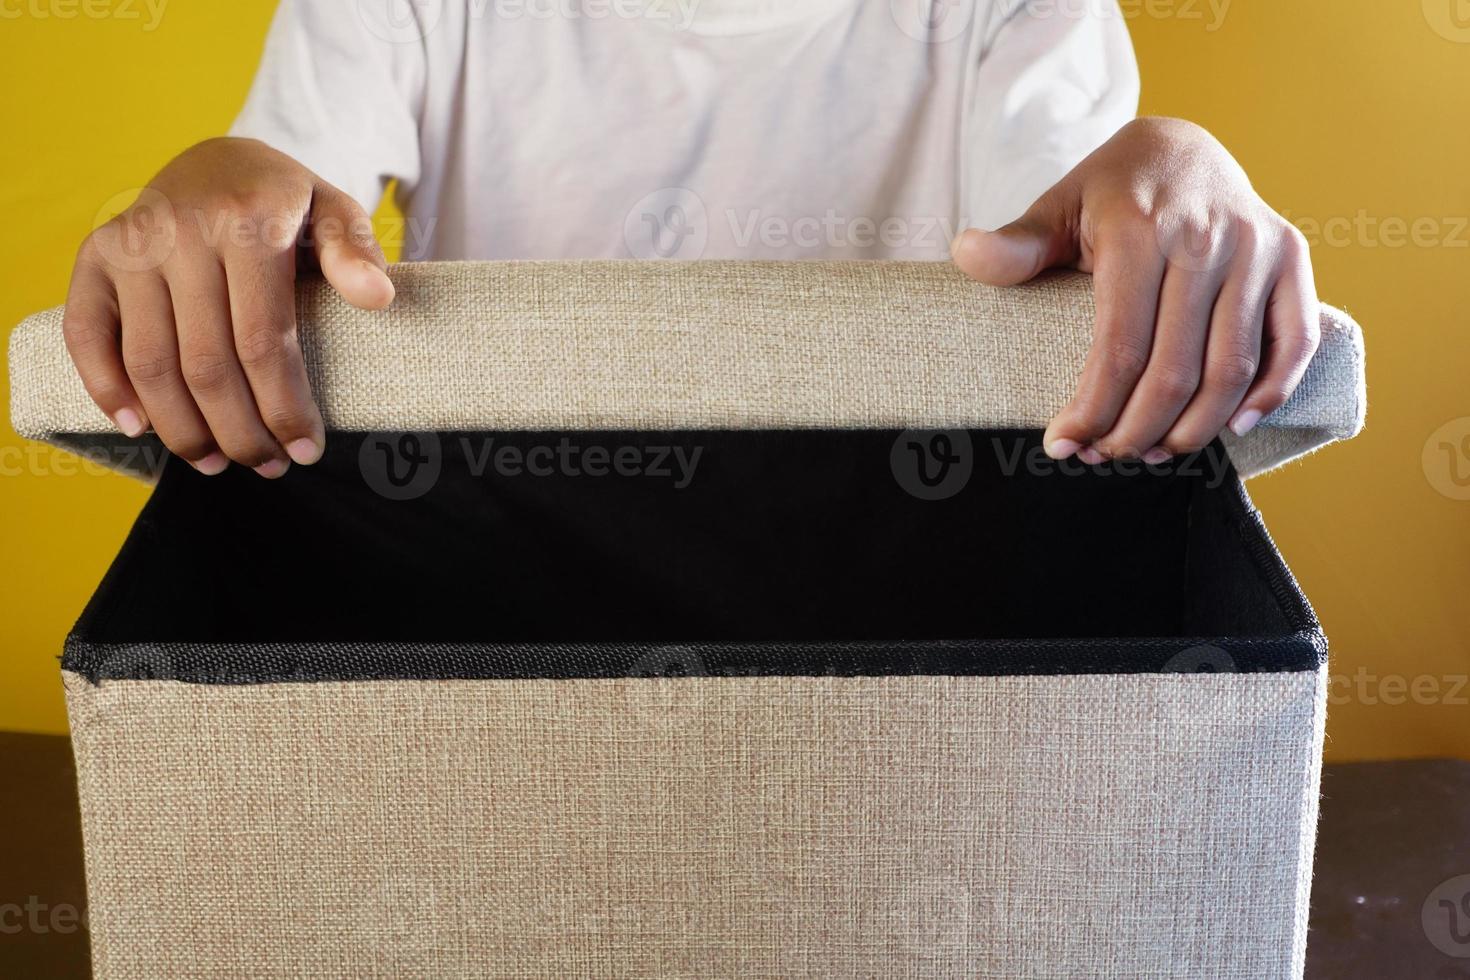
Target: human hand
{"type": "Point", "coordinates": [181, 312]}
{"type": "Point", "coordinates": [1207, 310]}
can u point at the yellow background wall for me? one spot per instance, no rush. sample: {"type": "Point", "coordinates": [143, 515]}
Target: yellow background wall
{"type": "Point", "coordinates": [1353, 116]}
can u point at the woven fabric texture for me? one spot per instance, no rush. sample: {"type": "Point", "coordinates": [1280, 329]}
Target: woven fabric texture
{"type": "Point", "coordinates": [660, 345]}
{"type": "Point", "coordinates": [1147, 826]}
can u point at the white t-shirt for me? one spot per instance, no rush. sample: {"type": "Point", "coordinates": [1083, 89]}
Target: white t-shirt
{"type": "Point", "coordinates": [792, 129]}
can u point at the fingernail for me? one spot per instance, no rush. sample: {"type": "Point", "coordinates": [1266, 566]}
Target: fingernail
{"type": "Point", "coordinates": [304, 451]}
{"type": "Point", "coordinates": [386, 280]}
{"type": "Point", "coordinates": [1245, 421]}
{"type": "Point", "coordinates": [273, 468]}
{"type": "Point", "coordinates": [1062, 448]}
{"type": "Point", "coordinates": [1090, 456]}
{"type": "Point", "coordinates": [1156, 455]}
{"type": "Point", "coordinates": [130, 423]}
{"type": "Point", "coordinates": [212, 465]}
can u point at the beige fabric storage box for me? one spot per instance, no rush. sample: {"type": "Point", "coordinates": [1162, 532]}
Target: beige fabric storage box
{"type": "Point", "coordinates": [705, 619]}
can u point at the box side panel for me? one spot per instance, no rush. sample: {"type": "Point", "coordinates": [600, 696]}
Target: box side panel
{"type": "Point", "coordinates": [1148, 825]}
{"type": "Point", "coordinates": [1237, 581]}
{"type": "Point", "coordinates": [1310, 807]}
{"type": "Point", "coordinates": [99, 864]}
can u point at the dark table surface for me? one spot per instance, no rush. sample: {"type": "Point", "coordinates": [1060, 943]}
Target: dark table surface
{"type": "Point", "coordinates": [1391, 897]}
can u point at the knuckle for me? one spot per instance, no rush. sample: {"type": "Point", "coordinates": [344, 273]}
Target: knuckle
{"type": "Point", "coordinates": [1232, 370]}
{"type": "Point", "coordinates": [187, 445]}
{"type": "Point", "coordinates": [1184, 443]}
{"type": "Point", "coordinates": [249, 452]}
{"type": "Point", "coordinates": [1302, 342]}
{"type": "Point", "coordinates": [287, 420]}
{"type": "Point", "coordinates": [360, 233]}
{"type": "Point", "coordinates": [208, 372]}
{"type": "Point", "coordinates": [1175, 382]}
{"type": "Point", "coordinates": [1128, 212]}
{"type": "Point", "coordinates": [1271, 398]}
{"type": "Point", "coordinates": [1312, 331]}
{"type": "Point", "coordinates": [89, 252]}
{"type": "Point", "coordinates": [106, 392]}
{"type": "Point", "coordinates": [1202, 227]}
{"type": "Point", "coordinates": [83, 333]}
{"type": "Point", "coordinates": [1118, 447]}
{"type": "Point", "coordinates": [262, 346]}
{"type": "Point", "coordinates": [1090, 421]}
{"type": "Point", "coordinates": [1279, 392]}
{"type": "Point", "coordinates": [246, 202]}
{"type": "Point", "coordinates": [155, 215]}
{"type": "Point", "coordinates": [252, 219]}
{"type": "Point", "coordinates": [1294, 245]}
{"type": "Point", "coordinates": [107, 236]}
{"type": "Point", "coordinates": [1124, 359]}
{"type": "Point", "coordinates": [151, 367]}
{"type": "Point", "coordinates": [1246, 234]}
{"type": "Point", "coordinates": [1134, 230]}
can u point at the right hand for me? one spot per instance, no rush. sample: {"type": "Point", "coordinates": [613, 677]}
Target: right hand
{"type": "Point", "coordinates": [181, 313]}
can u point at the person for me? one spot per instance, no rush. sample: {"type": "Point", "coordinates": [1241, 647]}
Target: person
{"type": "Point", "coordinates": [1000, 133]}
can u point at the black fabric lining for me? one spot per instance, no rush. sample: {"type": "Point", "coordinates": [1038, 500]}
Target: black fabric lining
{"type": "Point", "coordinates": [785, 553]}
{"type": "Point", "coordinates": [304, 662]}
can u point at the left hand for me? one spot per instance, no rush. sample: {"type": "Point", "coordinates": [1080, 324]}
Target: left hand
{"type": "Point", "coordinates": [1206, 308]}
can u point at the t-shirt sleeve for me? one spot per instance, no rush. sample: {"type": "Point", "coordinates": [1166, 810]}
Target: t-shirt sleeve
{"type": "Point", "coordinates": [1055, 81]}
{"type": "Point", "coordinates": [339, 88]}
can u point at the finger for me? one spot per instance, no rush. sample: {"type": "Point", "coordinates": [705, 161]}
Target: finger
{"type": "Point", "coordinates": [1232, 355]}
{"type": "Point", "coordinates": [150, 353]}
{"type": "Point", "coordinates": [92, 329]}
{"type": "Point", "coordinates": [349, 255]}
{"type": "Point", "coordinates": [1173, 373]}
{"type": "Point", "coordinates": [1129, 272]}
{"type": "Point", "coordinates": [1045, 237]}
{"type": "Point", "coordinates": [1292, 333]}
{"type": "Point", "coordinates": [263, 310]}
{"type": "Point", "coordinates": [212, 368]}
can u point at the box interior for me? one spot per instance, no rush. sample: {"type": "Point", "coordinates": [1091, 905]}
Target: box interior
{"type": "Point", "coordinates": [705, 536]}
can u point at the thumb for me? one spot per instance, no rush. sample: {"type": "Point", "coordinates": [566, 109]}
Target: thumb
{"type": "Point", "coordinates": [1043, 238]}
{"type": "Point", "coordinates": [348, 253]}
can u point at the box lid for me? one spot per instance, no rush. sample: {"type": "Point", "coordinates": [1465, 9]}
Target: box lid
{"type": "Point", "coordinates": [667, 345]}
